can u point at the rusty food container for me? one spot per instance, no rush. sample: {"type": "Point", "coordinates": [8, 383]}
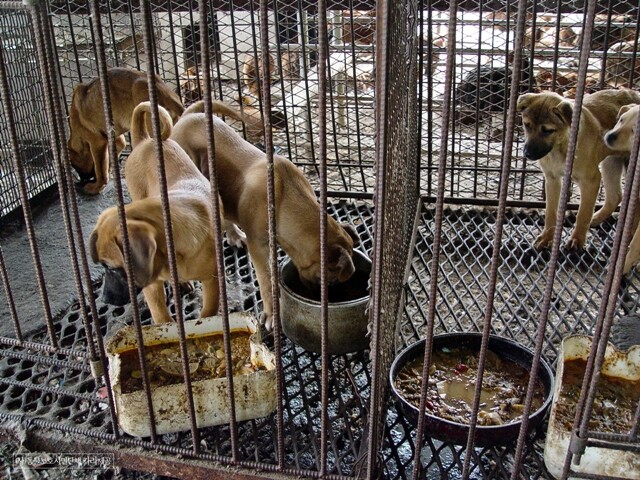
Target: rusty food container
{"type": "Point", "coordinates": [624, 367]}
{"type": "Point", "coordinates": [348, 319]}
{"type": "Point", "coordinates": [255, 392]}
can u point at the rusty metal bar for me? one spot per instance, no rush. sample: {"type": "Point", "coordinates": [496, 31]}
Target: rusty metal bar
{"type": "Point", "coordinates": [126, 244]}
{"type": "Point", "coordinates": [24, 197]}
{"type": "Point", "coordinates": [273, 246]}
{"type": "Point", "coordinates": [147, 32]}
{"type": "Point", "coordinates": [437, 239]}
{"type": "Point", "coordinates": [499, 227]}
{"type": "Point", "coordinates": [217, 225]}
{"type": "Point", "coordinates": [9, 293]}
{"type": "Point", "coordinates": [324, 292]}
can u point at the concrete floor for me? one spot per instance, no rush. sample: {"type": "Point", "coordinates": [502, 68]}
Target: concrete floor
{"type": "Point", "coordinates": [54, 253]}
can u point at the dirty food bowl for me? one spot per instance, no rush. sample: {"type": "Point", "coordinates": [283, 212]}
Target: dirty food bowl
{"type": "Point", "coordinates": [457, 432]}
{"type": "Point", "coordinates": [300, 309]}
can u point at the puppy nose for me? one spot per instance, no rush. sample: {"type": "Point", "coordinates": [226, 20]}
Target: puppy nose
{"type": "Point", "coordinates": [610, 138]}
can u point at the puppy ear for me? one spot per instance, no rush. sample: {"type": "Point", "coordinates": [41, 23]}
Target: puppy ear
{"type": "Point", "coordinates": [345, 265]}
{"type": "Point", "coordinates": [624, 109]}
{"type": "Point", "coordinates": [143, 251]}
{"type": "Point", "coordinates": [351, 231]}
{"type": "Point", "coordinates": [564, 110]}
{"type": "Point", "coordinates": [524, 101]}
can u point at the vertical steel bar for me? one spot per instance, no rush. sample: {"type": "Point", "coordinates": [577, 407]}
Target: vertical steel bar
{"type": "Point", "coordinates": [499, 227]}
{"type": "Point", "coordinates": [114, 165]}
{"type": "Point", "coordinates": [324, 299]}
{"type": "Point", "coordinates": [7, 289]}
{"type": "Point", "coordinates": [624, 232]}
{"type": "Point", "coordinates": [7, 105]}
{"type": "Point", "coordinates": [166, 216]}
{"type": "Point", "coordinates": [437, 233]}
{"type": "Point", "coordinates": [273, 246]}
{"type": "Point", "coordinates": [217, 225]}
{"type": "Point", "coordinates": [553, 261]}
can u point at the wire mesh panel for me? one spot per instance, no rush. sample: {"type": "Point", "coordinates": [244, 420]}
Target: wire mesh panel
{"type": "Point", "coordinates": [30, 122]}
{"type": "Point", "coordinates": [394, 72]}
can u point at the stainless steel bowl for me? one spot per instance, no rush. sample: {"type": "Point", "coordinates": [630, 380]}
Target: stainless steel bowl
{"type": "Point", "coordinates": [347, 323]}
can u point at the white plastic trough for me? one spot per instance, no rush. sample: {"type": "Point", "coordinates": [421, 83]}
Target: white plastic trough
{"type": "Point", "coordinates": [255, 393]}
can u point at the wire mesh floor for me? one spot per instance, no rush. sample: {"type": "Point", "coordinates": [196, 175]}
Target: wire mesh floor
{"type": "Point", "coordinates": [59, 392]}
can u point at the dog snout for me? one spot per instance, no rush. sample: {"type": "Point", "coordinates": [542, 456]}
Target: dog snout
{"type": "Point", "coordinates": [534, 151]}
{"type": "Point", "coordinates": [610, 138]}
{"type": "Point", "coordinates": [116, 289]}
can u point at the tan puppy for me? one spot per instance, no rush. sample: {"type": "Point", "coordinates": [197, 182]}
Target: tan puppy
{"type": "Point", "coordinates": [191, 214]}
{"type": "Point", "coordinates": [88, 138]}
{"type": "Point", "coordinates": [242, 179]}
{"type": "Point", "coordinates": [620, 138]}
{"type": "Point", "coordinates": [547, 118]}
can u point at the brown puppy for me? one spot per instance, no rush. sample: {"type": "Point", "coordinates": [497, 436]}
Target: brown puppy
{"type": "Point", "coordinates": [620, 138]}
{"type": "Point", "coordinates": [547, 119]}
{"type": "Point", "coordinates": [191, 215]}
{"type": "Point", "coordinates": [88, 138]}
{"type": "Point", "coordinates": [242, 179]}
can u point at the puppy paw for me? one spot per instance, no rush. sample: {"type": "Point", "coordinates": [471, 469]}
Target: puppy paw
{"type": "Point", "coordinates": [575, 243]}
{"type": "Point", "coordinates": [236, 238]}
{"type": "Point", "coordinates": [544, 240]}
{"type": "Point", "coordinates": [266, 319]}
{"type": "Point", "coordinates": [93, 188]}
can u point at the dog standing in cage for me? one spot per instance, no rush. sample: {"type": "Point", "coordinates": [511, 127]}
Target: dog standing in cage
{"type": "Point", "coordinates": [242, 179]}
{"type": "Point", "coordinates": [546, 118]}
{"type": "Point", "coordinates": [88, 134]}
{"type": "Point", "coordinates": [191, 216]}
{"type": "Point", "coordinates": [620, 138]}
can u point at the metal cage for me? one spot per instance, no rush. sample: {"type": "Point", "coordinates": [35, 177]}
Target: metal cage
{"type": "Point", "coordinates": [402, 115]}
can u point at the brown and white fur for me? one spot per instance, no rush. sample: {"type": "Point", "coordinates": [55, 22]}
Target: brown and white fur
{"type": "Point", "coordinates": [191, 217]}
{"type": "Point", "coordinates": [88, 135]}
{"type": "Point", "coordinates": [547, 119]}
{"type": "Point", "coordinates": [242, 179]}
{"type": "Point", "coordinates": [620, 138]}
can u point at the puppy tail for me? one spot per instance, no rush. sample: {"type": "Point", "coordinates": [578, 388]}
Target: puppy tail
{"type": "Point", "coordinates": [141, 123]}
{"type": "Point", "coordinates": [217, 107]}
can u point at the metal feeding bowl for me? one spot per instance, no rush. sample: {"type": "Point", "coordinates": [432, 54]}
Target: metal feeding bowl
{"type": "Point", "coordinates": [457, 432]}
{"type": "Point", "coordinates": [347, 323]}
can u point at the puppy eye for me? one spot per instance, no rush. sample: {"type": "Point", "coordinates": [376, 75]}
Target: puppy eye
{"type": "Point", "coordinates": [546, 130]}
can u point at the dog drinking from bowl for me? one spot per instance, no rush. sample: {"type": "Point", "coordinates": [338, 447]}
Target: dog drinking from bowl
{"type": "Point", "coordinates": [191, 216]}
{"type": "Point", "coordinates": [242, 179]}
{"type": "Point", "coordinates": [88, 134]}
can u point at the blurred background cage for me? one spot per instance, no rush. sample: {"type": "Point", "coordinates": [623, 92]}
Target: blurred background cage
{"type": "Point", "coordinates": [419, 127]}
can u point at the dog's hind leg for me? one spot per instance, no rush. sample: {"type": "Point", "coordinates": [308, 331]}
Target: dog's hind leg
{"type": "Point", "coordinates": [101, 163]}
{"type": "Point", "coordinates": [633, 254]}
{"type": "Point", "coordinates": [611, 169]}
{"type": "Point", "coordinates": [259, 252]}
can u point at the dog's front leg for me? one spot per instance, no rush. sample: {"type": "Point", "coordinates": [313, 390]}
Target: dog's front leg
{"type": "Point", "coordinates": [210, 297]}
{"type": "Point", "coordinates": [259, 252]}
{"type": "Point", "coordinates": [611, 168]}
{"type": "Point", "coordinates": [552, 188]}
{"type": "Point", "coordinates": [101, 166]}
{"type": "Point", "coordinates": [633, 254]}
{"type": "Point", "coordinates": [157, 302]}
{"type": "Point", "coordinates": [588, 193]}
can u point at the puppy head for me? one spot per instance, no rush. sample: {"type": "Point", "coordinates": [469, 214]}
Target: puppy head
{"type": "Point", "coordinates": [546, 118]}
{"type": "Point", "coordinates": [340, 242]}
{"type": "Point", "coordinates": [79, 151]}
{"type": "Point", "coordinates": [105, 247]}
{"type": "Point", "coordinates": [620, 137]}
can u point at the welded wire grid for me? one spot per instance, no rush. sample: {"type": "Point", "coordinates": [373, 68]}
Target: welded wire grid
{"type": "Point", "coordinates": [234, 36]}
{"type": "Point", "coordinates": [57, 391]}
{"type": "Point", "coordinates": [483, 66]}
{"type": "Point", "coordinates": [30, 121]}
